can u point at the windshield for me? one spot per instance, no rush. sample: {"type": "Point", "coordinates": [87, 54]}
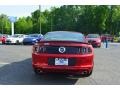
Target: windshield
{"type": "Point", "coordinates": [17, 36]}
{"type": "Point", "coordinates": [33, 35]}
{"type": "Point", "coordinates": [93, 36]}
{"type": "Point", "coordinates": [64, 36]}
{"type": "Point", "coordinates": [5, 35]}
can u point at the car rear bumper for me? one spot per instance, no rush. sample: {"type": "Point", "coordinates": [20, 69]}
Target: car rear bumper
{"type": "Point", "coordinates": [64, 69]}
{"type": "Point", "coordinates": [9, 42]}
{"type": "Point", "coordinates": [96, 44]}
{"type": "Point", "coordinates": [29, 42]}
{"type": "Point", "coordinates": [83, 63]}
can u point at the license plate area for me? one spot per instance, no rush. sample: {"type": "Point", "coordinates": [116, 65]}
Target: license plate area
{"type": "Point", "coordinates": [61, 61]}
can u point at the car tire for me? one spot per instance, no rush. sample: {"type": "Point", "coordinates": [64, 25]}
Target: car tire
{"type": "Point", "coordinates": [3, 43]}
{"type": "Point", "coordinates": [36, 71]}
{"type": "Point", "coordinates": [111, 40]}
{"type": "Point", "coordinates": [99, 46]}
{"type": "Point", "coordinates": [23, 43]}
{"type": "Point", "coordinates": [17, 42]}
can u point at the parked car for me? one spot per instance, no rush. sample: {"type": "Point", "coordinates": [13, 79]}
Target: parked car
{"type": "Point", "coordinates": [94, 40]}
{"type": "Point", "coordinates": [31, 39]}
{"type": "Point", "coordinates": [3, 38]}
{"type": "Point", "coordinates": [15, 39]}
{"type": "Point", "coordinates": [63, 52]}
{"type": "Point", "coordinates": [107, 37]}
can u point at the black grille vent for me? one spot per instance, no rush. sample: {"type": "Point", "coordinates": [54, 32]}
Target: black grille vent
{"type": "Point", "coordinates": [69, 50]}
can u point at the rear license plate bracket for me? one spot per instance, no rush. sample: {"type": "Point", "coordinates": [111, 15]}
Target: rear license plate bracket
{"type": "Point", "coordinates": [61, 61]}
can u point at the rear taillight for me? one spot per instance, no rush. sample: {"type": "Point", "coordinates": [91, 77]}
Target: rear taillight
{"type": "Point", "coordinates": [39, 49]}
{"type": "Point", "coordinates": [80, 50]}
{"type": "Point", "coordinates": [85, 50]}
{"type": "Point", "coordinates": [36, 49]}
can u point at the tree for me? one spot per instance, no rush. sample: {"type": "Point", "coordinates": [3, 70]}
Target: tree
{"type": "Point", "coordinates": [101, 14]}
{"type": "Point", "coordinates": [36, 21]}
{"type": "Point", "coordinates": [113, 21]}
{"type": "Point", "coordinates": [5, 25]}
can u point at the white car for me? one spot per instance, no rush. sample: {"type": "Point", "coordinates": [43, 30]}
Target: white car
{"type": "Point", "coordinates": [15, 39]}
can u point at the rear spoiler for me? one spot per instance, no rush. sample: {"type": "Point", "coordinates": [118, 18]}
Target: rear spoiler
{"type": "Point", "coordinates": [47, 41]}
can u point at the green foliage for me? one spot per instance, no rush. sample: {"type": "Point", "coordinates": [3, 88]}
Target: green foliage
{"type": "Point", "coordinates": [4, 24]}
{"type": "Point", "coordinates": [23, 25]}
{"type": "Point", "coordinates": [85, 19]}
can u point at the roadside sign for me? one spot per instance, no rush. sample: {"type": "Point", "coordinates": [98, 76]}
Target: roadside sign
{"type": "Point", "coordinates": [12, 19]}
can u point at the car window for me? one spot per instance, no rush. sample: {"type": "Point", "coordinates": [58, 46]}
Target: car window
{"type": "Point", "coordinates": [93, 36]}
{"type": "Point", "coordinates": [64, 36]}
{"type": "Point", "coordinates": [15, 36]}
{"type": "Point", "coordinates": [33, 35]}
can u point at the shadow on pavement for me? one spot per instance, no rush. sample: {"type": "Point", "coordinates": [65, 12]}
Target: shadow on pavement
{"type": "Point", "coordinates": [21, 73]}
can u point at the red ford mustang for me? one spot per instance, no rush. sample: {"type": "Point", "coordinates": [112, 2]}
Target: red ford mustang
{"type": "Point", "coordinates": [63, 52]}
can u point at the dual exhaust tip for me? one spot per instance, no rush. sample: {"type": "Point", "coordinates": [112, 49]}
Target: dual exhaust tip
{"type": "Point", "coordinates": [84, 72]}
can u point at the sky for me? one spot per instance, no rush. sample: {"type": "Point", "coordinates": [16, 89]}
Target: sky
{"type": "Point", "coordinates": [21, 10]}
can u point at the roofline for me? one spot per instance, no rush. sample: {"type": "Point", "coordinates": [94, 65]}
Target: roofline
{"type": "Point", "coordinates": [66, 31]}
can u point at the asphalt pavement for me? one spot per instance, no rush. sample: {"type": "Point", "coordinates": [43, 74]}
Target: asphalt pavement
{"type": "Point", "coordinates": [16, 68]}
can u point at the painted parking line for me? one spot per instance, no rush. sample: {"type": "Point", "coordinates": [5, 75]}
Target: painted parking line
{"type": "Point", "coordinates": [3, 63]}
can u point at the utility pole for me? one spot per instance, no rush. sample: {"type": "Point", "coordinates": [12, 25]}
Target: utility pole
{"type": "Point", "coordinates": [12, 28]}
{"type": "Point", "coordinates": [40, 18]}
{"type": "Point", "coordinates": [12, 20]}
{"type": "Point", "coordinates": [2, 24]}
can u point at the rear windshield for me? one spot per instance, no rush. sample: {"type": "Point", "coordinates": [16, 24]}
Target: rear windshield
{"type": "Point", "coordinates": [93, 36]}
{"type": "Point", "coordinates": [64, 36]}
{"type": "Point", "coordinates": [33, 35]}
{"type": "Point", "coordinates": [4, 35]}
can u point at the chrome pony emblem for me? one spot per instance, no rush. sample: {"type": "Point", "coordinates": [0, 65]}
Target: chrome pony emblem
{"type": "Point", "coordinates": [62, 49]}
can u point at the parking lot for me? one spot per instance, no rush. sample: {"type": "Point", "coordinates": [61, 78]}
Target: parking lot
{"type": "Point", "coordinates": [16, 68]}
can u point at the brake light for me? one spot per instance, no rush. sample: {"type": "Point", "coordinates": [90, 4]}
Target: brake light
{"type": "Point", "coordinates": [85, 50]}
{"type": "Point", "coordinates": [43, 49]}
{"type": "Point", "coordinates": [39, 49]}
{"type": "Point", "coordinates": [36, 49]}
